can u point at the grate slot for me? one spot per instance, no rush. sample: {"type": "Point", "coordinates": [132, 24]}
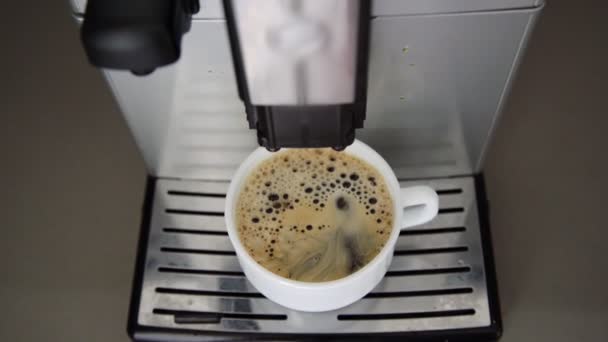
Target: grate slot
{"type": "Point", "coordinates": [194, 203]}
{"type": "Point", "coordinates": [209, 293]}
{"type": "Point", "coordinates": [193, 231]}
{"type": "Point", "coordinates": [449, 191]}
{"type": "Point", "coordinates": [194, 212]}
{"type": "Point", "coordinates": [432, 231]}
{"type": "Point", "coordinates": [195, 251]}
{"type": "Point", "coordinates": [457, 249]}
{"type": "Point", "coordinates": [408, 315]}
{"type": "Point", "coordinates": [405, 273]}
{"type": "Point", "coordinates": [201, 272]}
{"type": "Point", "coordinates": [419, 293]}
{"type": "Point", "coordinates": [195, 194]}
{"type": "Point", "coordinates": [192, 317]}
{"type": "Point", "coordinates": [428, 271]}
{"type": "Point", "coordinates": [450, 210]}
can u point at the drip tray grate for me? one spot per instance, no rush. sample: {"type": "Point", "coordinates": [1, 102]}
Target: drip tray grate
{"type": "Point", "coordinates": [191, 282]}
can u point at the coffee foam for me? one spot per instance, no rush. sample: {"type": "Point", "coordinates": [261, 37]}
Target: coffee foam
{"type": "Point", "coordinates": [314, 215]}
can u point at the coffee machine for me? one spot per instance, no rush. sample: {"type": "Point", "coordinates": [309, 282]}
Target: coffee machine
{"type": "Point", "coordinates": [203, 83]}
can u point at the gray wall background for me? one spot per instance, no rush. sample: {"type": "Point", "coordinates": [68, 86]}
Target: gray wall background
{"type": "Point", "coordinates": [72, 182]}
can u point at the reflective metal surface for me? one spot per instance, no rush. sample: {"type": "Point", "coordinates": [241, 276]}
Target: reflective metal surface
{"type": "Point", "coordinates": [192, 279]}
{"type": "Point", "coordinates": [436, 85]}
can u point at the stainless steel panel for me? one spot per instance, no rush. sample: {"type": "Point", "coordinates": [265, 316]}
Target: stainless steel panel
{"type": "Point", "coordinates": [425, 282]}
{"type": "Point", "coordinates": [435, 88]}
{"type": "Point", "coordinates": [196, 242]}
{"type": "Point", "coordinates": [445, 220]}
{"type": "Point", "coordinates": [211, 204]}
{"type": "Point", "coordinates": [430, 261]}
{"type": "Point", "coordinates": [409, 304]}
{"type": "Point", "coordinates": [410, 243]}
{"type": "Point", "coordinates": [203, 282]}
{"type": "Point", "coordinates": [187, 118]}
{"type": "Point", "coordinates": [207, 223]}
{"type": "Point", "coordinates": [206, 262]}
{"type": "Point", "coordinates": [218, 303]}
{"type": "Point", "coordinates": [209, 188]}
{"type": "Point", "coordinates": [436, 279]}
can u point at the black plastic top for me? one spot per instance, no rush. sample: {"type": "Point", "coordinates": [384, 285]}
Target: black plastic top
{"type": "Point", "coordinates": [306, 126]}
{"type": "Point", "coordinates": [136, 35]}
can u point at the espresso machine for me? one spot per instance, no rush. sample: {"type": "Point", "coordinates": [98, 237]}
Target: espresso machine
{"type": "Point", "coordinates": [203, 83]}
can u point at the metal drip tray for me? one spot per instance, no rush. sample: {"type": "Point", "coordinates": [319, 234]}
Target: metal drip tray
{"type": "Point", "coordinates": [189, 283]}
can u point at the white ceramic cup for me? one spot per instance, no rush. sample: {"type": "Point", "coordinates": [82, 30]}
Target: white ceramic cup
{"type": "Point", "coordinates": [412, 206]}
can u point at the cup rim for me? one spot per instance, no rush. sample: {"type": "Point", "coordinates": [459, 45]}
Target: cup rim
{"type": "Point", "coordinates": [253, 160]}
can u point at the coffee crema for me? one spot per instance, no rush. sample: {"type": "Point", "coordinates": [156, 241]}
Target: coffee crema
{"type": "Point", "coordinates": [314, 214]}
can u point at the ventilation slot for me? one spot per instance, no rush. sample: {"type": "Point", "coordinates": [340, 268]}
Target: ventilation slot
{"type": "Point", "coordinates": [458, 249]}
{"type": "Point", "coordinates": [432, 231]}
{"type": "Point", "coordinates": [195, 251]}
{"type": "Point", "coordinates": [450, 210]}
{"type": "Point", "coordinates": [408, 315]}
{"type": "Point", "coordinates": [193, 231]}
{"type": "Point", "coordinates": [195, 194]}
{"type": "Point", "coordinates": [201, 272]}
{"type": "Point", "coordinates": [193, 212]}
{"type": "Point", "coordinates": [448, 191]}
{"type": "Point", "coordinates": [209, 293]}
{"type": "Point", "coordinates": [449, 270]}
{"type": "Point", "coordinates": [441, 292]}
{"type": "Point", "coordinates": [195, 317]}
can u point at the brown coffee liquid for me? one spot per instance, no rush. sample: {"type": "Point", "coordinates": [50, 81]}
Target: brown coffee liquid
{"type": "Point", "coordinates": [314, 214]}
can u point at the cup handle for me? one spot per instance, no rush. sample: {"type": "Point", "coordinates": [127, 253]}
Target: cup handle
{"type": "Point", "coordinates": [420, 205]}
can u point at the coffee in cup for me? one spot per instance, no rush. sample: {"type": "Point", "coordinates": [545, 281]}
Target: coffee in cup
{"type": "Point", "coordinates": [314, 215]}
